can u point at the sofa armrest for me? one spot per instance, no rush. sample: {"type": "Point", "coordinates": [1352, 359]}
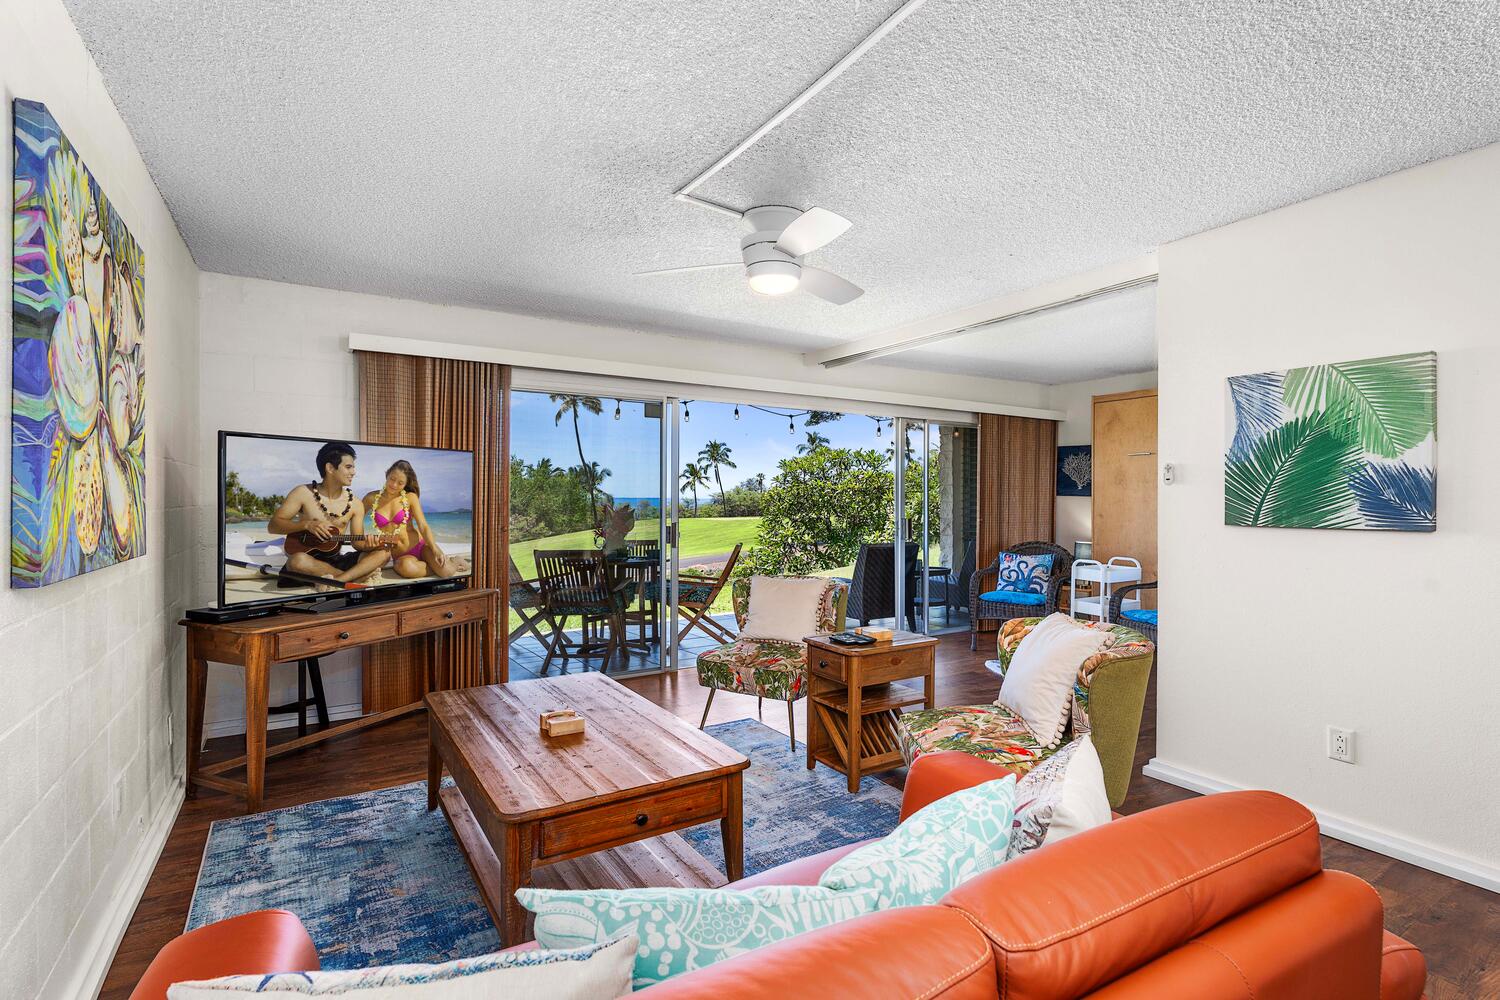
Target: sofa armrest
{"type": "Point", "coordinates": [935, 775]}
{"type": "Point", "coordinates": [262, 942]}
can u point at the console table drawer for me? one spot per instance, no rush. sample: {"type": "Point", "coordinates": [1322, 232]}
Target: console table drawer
{"type": "Point", "coordinates": [442, 616]}
{"type": "Point", "coordinates": [318, 639]}
{"type": "Point", "coordinates": [620, 822]}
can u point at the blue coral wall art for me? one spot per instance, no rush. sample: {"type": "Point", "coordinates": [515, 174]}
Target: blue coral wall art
{"type": "Point", "coordinates": [78, 405]}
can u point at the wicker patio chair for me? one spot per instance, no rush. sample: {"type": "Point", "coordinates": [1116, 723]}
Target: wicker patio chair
{"type": "Point", "coordinates": [872, 592]}
{"type": "Point", "coordinates": [1143, 620]}
{"type": "Point", "coordinates": [1000, 610]}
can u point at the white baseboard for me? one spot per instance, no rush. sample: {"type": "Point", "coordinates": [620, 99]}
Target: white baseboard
{"type": "Point", "coordinates": [1350, 832]}
{"type": "Point", "coordinates": [236, 727]}
{"type": "Point", "coordinates": [82, 967]}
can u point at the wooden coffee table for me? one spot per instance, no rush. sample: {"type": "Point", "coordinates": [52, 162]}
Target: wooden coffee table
{"type": "Point", "coordinates": [520, 800]}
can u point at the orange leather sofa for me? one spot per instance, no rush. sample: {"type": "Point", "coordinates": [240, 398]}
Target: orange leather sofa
{"type": "Point", "coordinates": [1217, 897]}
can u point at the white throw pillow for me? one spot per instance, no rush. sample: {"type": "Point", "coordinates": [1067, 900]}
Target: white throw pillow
{"type": "Point", "coordinates": [599, 970]}
{"type": "Point", "coordinates": [1038, 686]}
{"type": "Point", "coordinates": [1061, 796]}
{"type": "Point", "coordinates": [783, 608]}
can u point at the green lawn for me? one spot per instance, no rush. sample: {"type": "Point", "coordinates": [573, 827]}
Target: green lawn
{"type": "Point", "coordinates": [701, 536]}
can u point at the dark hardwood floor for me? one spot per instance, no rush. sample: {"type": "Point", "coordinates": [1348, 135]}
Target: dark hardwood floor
{"type": "Point", "coordinates": [1456, 925]}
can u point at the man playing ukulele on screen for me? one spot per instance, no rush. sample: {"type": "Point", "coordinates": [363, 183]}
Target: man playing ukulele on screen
{"type": "Point", "coordinates": [319, 517]}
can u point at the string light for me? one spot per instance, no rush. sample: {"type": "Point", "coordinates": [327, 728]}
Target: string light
{"type": "Point", "coordinates": [791, 426]}
{"type": "Point", "coordinates": [686, 413]}
{"type": "Point", "coordinates": [617, 409]}
{"type": "Point", "coordinates": [877, 428]}
{"type": "Point", "coordinates": [736, 411]}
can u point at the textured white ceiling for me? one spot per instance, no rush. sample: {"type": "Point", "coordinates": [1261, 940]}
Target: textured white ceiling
{"type": "Point", "coordinates": [521, 155]}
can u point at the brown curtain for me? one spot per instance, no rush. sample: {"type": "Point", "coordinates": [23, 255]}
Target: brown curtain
{"type": "Point", "coordinates": [442, 403]}
{"type": "Point", "coordinates": [1017, 483]}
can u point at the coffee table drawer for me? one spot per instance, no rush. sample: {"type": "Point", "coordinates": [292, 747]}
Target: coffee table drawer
{"type": "Point", "coordinates": [623, 821]}
{"type": "Point", "coordinates": [319, 639]}
{"type": "Point", "coordinates": [427, 619]}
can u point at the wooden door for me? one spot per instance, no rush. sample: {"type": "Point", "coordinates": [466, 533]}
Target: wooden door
{"type": "Point", "coordinates": [1125, 477]}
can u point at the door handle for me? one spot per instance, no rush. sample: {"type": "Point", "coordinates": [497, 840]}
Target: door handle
{"type": "Point", "coordinates": [1138, 454]}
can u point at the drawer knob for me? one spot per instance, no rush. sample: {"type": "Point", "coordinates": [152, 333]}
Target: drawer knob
{"type": "Point", "coordinates": [823, 664]}
{"type": "Point", "coordinates": [447, 614]}
{"type": "Point", "coordinates": [343, 635]}
{"type": "Point", "coordinates": [641, 820]}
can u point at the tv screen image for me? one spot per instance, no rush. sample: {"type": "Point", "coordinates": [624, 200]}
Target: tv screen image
{"type": "Point", "coordinates": [393, 516]}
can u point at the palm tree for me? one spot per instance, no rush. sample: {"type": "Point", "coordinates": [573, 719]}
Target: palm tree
{"type": "Point", "coordinates": [567, 405]}
{"type": "Point", "coordinates": [813, 443]}
{"type": "Point", "coordinates": [715, 455]}
{"type": "Point", "coordinates": [692, 478]}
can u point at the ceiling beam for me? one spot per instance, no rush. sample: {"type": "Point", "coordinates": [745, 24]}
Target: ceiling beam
{"type": "Point", "coordinates": [1114, 277]}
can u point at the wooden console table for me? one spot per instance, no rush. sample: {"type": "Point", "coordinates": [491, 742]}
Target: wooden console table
{"type": "Point", "coordinates": [287, 637]}
{"type": "Point", "coordinates": [853, 706]}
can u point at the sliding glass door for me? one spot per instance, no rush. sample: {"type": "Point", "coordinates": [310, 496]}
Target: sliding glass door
{"type": "Point", "coordinates": [590, 533]}
{"type": "Point", "coordinates": [631, 518]}
{"type": "Point", "coordinates": [938, 498]}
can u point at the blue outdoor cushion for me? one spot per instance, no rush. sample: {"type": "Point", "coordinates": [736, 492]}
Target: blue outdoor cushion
{"type": "Point", "coordinates": [1140, 615]}
{"type": "Point", "coordinates": [1014, 597]}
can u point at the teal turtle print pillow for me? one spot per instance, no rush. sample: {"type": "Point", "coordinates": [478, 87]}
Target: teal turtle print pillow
{"type": "Point", "coordinates": [685, 929]}
{"type": "Point", "coordinates": [936, 849]}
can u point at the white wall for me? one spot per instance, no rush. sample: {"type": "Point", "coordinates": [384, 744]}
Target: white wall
{"type": "Point", "coordinates": [1075, 515]}
{"type": "Point", "coordinates": [1272, 635]}
{"type": "Point", "coordinates": [92, 667]}
{"type": "Point", "coordinates": [274, 360]}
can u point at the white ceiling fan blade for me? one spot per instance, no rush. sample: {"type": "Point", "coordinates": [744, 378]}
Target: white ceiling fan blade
{"type": "Point", "coordinates": [693, 267]}
{"type": "Point", "coordinates": [813, 229]}
{"type": "Point", "coordinates": [829, 286]}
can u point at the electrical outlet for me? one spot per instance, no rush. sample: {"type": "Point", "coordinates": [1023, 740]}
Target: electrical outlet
{"type": "Point", "coordinates": [1341, 744]}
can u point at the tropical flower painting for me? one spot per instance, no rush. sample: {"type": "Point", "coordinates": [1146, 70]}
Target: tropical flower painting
{"type": "Point", "coordinates": [78, 404]}
{"type": "Point", "coordinates": [1348, 445]}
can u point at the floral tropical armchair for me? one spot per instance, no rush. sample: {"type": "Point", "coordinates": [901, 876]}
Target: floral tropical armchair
{"type": "Point", "coordinates": [767, 668]}
{"type": "Point", "coordinates": [1109, 695]}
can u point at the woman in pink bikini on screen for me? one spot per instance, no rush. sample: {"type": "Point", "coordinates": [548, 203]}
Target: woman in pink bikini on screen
{"type": "Point", "coordinates": [396, 509]}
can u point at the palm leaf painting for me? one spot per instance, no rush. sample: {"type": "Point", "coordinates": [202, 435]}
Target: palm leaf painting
{"type": "Point", "coordinates": [1344, 445]}
{"type": "Point", "coordinates": [1258, 408]}
{"type": "Point", "coordinates": [1390, 401]}
{"type": "Point", "coordinates": [1397, 497]}
{"type": "Point", "coordinates": [1297, 476]}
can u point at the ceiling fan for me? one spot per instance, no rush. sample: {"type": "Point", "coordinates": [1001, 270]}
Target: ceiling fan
{"type": "Point", "coordinates": [779, 238]}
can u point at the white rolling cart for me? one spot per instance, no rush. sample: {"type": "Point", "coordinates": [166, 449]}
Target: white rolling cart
{"type": "Point", "coordinates": [1119, 571]}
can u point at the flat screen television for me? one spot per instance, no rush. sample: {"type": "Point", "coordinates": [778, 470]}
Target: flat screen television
{"type": "Point", "coordinates": [324, 521]}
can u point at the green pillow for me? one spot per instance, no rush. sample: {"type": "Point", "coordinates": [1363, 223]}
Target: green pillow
{"type": "Point", "coordinates": [935, 850]}
{"type": "Point", "coordinates": [685, 929]}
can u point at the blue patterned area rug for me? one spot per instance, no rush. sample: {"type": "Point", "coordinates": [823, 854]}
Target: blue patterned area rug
{"type": "Point", "coordinates": [379, 880]}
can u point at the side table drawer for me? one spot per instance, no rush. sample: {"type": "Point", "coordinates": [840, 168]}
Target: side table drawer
{"type": "Point", "coordinates": [828, 665]}
{"type": "Point", "coordinates": [319, 639]}
{"type": "Point", "coordinates": [427, 619]}
{"type": "Point", "coordinates": [620, 822]}
{"type": "Point", "coordinates": [897, 665]}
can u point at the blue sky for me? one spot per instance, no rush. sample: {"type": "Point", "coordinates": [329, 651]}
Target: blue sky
{"type": "Point", "coordinates": [269, 466]}
{"type": "Point", "coordinates": [631, 446]}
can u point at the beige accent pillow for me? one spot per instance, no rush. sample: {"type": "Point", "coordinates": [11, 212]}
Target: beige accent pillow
{"type": "Point", "coordinates": [1061, 796]}
{"type": "Point", "coordinates": [1038, 685]}
{"type": "Point", "coordinates": [783, 608]}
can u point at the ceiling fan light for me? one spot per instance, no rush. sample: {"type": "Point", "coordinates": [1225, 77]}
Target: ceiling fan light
{"type": "Point", "coordinates": [773, 277]}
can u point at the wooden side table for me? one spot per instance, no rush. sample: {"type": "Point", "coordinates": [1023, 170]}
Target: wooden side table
{"type": "Point", "coordinates": [854, 701]}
